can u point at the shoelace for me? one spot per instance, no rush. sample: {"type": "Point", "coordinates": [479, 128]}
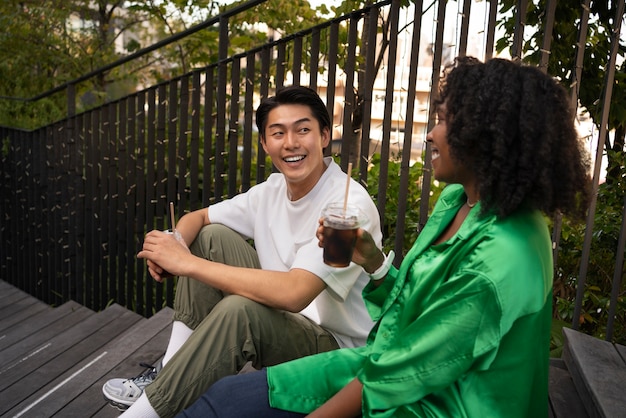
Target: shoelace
{"type": "Point", "coordinates": [146, 374]}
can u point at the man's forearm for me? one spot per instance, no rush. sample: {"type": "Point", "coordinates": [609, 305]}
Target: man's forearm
{"type": "Point", "coordinates": [190, 224]}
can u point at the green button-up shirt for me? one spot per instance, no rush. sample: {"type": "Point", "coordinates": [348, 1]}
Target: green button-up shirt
{"type": "Point", "coordinates": [462, 328]}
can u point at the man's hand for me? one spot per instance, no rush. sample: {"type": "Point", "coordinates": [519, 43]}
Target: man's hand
{"type": "Point", "coordinates": [164, 255]}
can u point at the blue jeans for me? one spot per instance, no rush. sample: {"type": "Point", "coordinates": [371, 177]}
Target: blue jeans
{"type": "Point", "coordinates": [238, 396]}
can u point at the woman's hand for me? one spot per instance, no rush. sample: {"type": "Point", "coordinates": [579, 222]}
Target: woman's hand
{"type": "Point", "coordinates": [366, 253]}
{"type": "Point", "coordinates": [164, 254]}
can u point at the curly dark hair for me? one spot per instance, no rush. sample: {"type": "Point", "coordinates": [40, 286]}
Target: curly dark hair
{"type": "Point", "coordinates": [513, 125]}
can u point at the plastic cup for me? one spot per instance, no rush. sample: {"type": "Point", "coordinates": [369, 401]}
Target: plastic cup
{"type": "Point", "coordinates": [176, 234]}
{"type": "Point", "coordinates": [340, 227]}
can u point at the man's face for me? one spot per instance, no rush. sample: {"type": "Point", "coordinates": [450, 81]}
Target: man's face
{"type": "Point", "coordinates": [295, 144]}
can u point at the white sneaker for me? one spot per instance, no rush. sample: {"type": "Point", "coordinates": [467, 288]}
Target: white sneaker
{"type": "Point", "coordinates": [122, 393]}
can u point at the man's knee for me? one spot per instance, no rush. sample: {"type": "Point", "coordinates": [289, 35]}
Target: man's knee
{"type": "Point", "coordinates": [239, 306]}
{"type": "Point", "coordinates": [209, 238]}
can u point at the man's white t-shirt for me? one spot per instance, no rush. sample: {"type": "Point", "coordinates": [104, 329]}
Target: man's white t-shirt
{"type": "Point", "coordinates": [284, 237]}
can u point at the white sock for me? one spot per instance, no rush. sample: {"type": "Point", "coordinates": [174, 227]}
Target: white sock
{"type": "Point", "coordinates": [180, 334]}
{"type": "Point", "coordinates": [141, 409]}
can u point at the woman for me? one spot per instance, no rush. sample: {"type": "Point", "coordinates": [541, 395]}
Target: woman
{"type": "Point", "coordinates": [463, 326]}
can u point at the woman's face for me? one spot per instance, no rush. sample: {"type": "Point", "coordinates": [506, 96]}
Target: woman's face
{"type": "Point", "coordinates": [446, 168]}
{"type": "Point", "coordinates": [443, 166]}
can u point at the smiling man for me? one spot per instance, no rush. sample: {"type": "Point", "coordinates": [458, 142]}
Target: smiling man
{"type": "Point", "coordinates": [266, 304]}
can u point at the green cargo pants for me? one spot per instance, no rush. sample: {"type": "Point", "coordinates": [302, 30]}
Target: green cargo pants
{"type": "Point", "coordinates": [229, 330]}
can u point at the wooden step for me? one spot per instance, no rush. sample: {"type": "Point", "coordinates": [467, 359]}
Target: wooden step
{"type": "Point", "coordinates": [61, 353]}
{"type": "Point", "coordinates": [564, 399]}
{"type": "Point", "coordinates": [76, 388]}
{"type": "Point", "coordinates": [54, 361]}
{"type": "Point", "coordinates": [16, 306]}
{"type": "Point", "coordinates": [598, 370]}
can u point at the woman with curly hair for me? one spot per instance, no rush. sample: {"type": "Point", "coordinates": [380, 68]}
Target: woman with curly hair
{"type": "Point", "coordinates": [463, 325]}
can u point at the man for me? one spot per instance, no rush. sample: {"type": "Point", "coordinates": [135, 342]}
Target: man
{"type": "Point", "coordinates": [269, 304]}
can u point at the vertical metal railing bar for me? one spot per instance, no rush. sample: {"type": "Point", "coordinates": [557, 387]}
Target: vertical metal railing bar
{"type": "Point", "coordinates": [141, 202]}
{"type": "Point", "coordinates": [520, 25]}
{"type": "Point", "coordinates": [103, 210]}
{"type": "Point", "coordinates": [25, 216]}
{"type": "Point", "coordinates": [248, 122]}
{"type": "Point", "coordinates": [27, 225]}
{"type": "Point", "coordinates": [39, 143]}
{"type": "Point", "coordinates": [133, 212]}
{"type": "Point", "coordinates": [547, 35]}
{"type": "Point", "coordinates": [580, 54]}
{"type": "Point", "coordinates": [129, 197]}
{"type": "Point", "coordinates": [609, 79]}
{"type": "Point", "coordinates": [181, 200]}
{"type": "Point", "coordinates": [264, 81]}
{"type": "Point", "coordinates": [77, 212]}
{"type": "Point", "coordinates": [434, 93]}
{"type": "Point", "coordinates": [18, 189]}
{"type": "Point", "coordinates": [119, 155]}
{"type": "Point", "coordinates": [314, 58]}
{"type": "Point", "coordinates": [60, 204]}
{"type": "Point", "coordinates": [617, 275]}
{"type": "Point", "coordinates": [73, 198]}
{"type": "Point", "coordinates": [371, 24]}
{"type": "Point", "coordinates": [171, 186]}
{"type": "Point", "coordinates": [51, 216]}
{"type": "Point", "coordinates": [233, 127]}
{"type": "Point", "coordinates": [403, 195]}
{"type": "Point", "coordinates": [39, 146]}
{"type": "Point", "coordinates": [296, 69]}
{"type": "Point", "coordinates": [112, 171]}
{"type": "Point", "coordinates": [87, 215]}
{"type": "Point", "coordinates": [281, 64]}
{"type": "Point", "coordinates": [42, 223]}
{"type": "Point", "coordinates": [222, 81]}
{"type": "Point", "coordinates": [151, 149]}
{"type": "Point", "coordinates": [61, 200]}
{"type": "Point", "coordinates": [94, 219]}
{"type": "Point", "coordinates": [32, 232]}
{"type": "Point", "coordinates": [55, 253]}
{"type": "Point", "coordinates": [348, 138]}
{"type": "Point", "coordinates": [121, 226]}
{"type": "Point", "coordinates": [173, 174]}
{"type": "Point", "coordinates": [465, 20]}
{"type": "Point", "coordinates": [194, 151]}
{"type": "Point", "coordinates": [35, 154]}
{"type": "Point", "coordinates": [491, 29]}
{"type": "Point", "coordinates": [5, 191]}
{"type": "Point", "coordinates": [392, 53]}
{"type": "Point", "coordinates": [209, 157]}
{"type": "Point", "coordinates": [159, 195]}
{"type": "Point", "coordinates": [333, 48]}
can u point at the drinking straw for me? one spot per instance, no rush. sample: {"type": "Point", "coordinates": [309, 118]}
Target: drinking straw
{"type": "Point", "coordinates": [172, 217]}
{"type": "Point", "coordinates": [345, 199]}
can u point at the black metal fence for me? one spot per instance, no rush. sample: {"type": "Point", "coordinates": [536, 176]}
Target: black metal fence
{"type": "Point", "coordinates": [78, 195]}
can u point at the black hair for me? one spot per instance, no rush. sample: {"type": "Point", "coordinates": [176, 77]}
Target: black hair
{"type": "Point", "coordinates": [293, 95]}
{"type": "Point", "coordinates": [513, 125]}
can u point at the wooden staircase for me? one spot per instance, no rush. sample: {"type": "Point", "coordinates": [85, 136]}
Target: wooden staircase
{"type": "Point", "coordinates": [54, 361]}
{"type": "Point", "coordinates": [589, 381]}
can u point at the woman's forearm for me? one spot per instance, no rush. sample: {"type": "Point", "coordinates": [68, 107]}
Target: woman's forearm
{"type": "Point", "coordinates": [345, 404]}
